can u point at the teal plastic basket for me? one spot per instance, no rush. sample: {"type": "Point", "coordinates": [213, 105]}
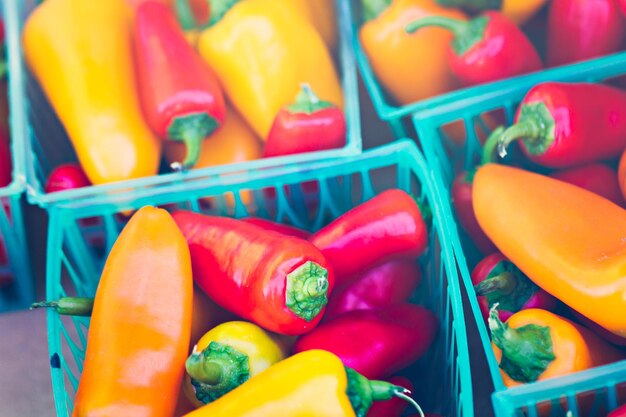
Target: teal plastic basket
{"type": "Point", "coordinates": [51, 146]}
{"type": "Point", "coordinates": [442, 377]}
{"type": "Point", "coordinates": [15, 260]}
{"type": "Point", "coordinates": [590, 393]}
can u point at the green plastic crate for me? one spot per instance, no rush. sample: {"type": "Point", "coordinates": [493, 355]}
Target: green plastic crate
{"type": "Point", "coordinates": [51, 146]}
{"type": "Point", "coordinates": [15, 260]}
{"type": "Point", "coordinates": [606, 384]}
{"type": "Point", "coordinates": [442, 378]}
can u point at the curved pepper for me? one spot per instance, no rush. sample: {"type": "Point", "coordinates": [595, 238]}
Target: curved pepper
{"type": "Point", "coordinates": [388, 226]}
{"type": "Point", "coordinates": [398, 58]}
{"type": "Point", "coordinates": [313, 383]}
{"type": "Point", "coordinates": [279, 282]}
{"type": "Point", "coordinates": [565, 124]}
{"type": "Point", "coordinates": [81, 54]}
{"type": "Point", "coordinates": [226, 357]}
{"type": "Point", "coordinates": [180, 96]}
{"type": "Point", "coordinates": [598, 178]}
{"type": "Point", "coordinates": [487, 48]}
{"type": "Point", "coordinates": [498, 280]}
{"type": "Point", "coordinates": [390, 283]}
{"type": "Point", "coordinates": [277, 227]}
{"type": "Point", "coordinates": [139, 329]}
{"type": "Point", "coordinates": [375, 343]}
{"type": "Point", "coordinates": [582, 29]}
{"type": "Point", "coordinates": [567, 240]}
{"type": "Point", "coordinates": [252, 44]}
{"type": "Point", "coordinates": [535, 345]}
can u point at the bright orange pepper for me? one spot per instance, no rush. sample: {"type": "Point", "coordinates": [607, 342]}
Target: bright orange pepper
{"type": "Point", "coordinates": [621, 173]}
{"type": "Point", "coordinates": [410, 67]}
{"type": "Point", "coordinates": [139, 331]}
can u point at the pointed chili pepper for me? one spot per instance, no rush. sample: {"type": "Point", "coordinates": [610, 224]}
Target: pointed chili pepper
{"type": "Point", "coordinates": [560, 125]}
{"type": "Point", "coordinates": [277, 227]}
{"type": "Point", "coordinates": [309, 124]}
{"type": "Point", "coordinates": [395, 406]}
{"type": "Point", "coordinates": [375, 343]}
{"type": "Point", "coordinates": [498, 281]}
{"type": "Point", "coordinates": [598, 178]}
{"type": "Point", "coordinates": [583, 29]}
{"type": "Point", "coordinates": [279, 282]}
{"type": "Point", "coordinates": [181, 97]}
{"type": "Point", "coordinates": [387, 284]}
{"type": "Point", "coordinates": [387, 226]}
{"type": "Point", "coordinates": [487, 48]}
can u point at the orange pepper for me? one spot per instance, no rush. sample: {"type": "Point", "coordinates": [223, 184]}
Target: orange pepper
{"type": "Point", "coordinates": [569, 241]}
{"type": "Point", "coordinates": [621, 173]}
{"type": "Point", "coordinates": [139, 332]}
{"type": "Point", "coordinates": [552, 346]}
{"type": "Point", "coordinates": [410, 67]}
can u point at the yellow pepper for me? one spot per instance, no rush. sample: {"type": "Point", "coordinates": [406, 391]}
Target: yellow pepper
{"type": "Point", "coordinates": [227, 356]}
{"type": "Point", "coordinates": [323, 15]}
{"type": "Point", "coordinates": [313, 383]}
{"type": "Point", "coordinates": [81, 54]}
{"type": "Point", "coordinates": [520, 11]}
{"type": "Point", "coordinates": [410, 67]}
{"type": "Point", "coordinates": [262, 51]}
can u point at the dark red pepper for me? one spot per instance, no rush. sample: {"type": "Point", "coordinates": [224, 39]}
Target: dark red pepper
{"type": "Point", "coordinates": [66, 177]}
{"type": "Point", "coordinates": [375, 343]}
{"type": "Point", "coordinates": [279, 282]}
{"type": "Point", "coordinates": [385, 227]}
{"type": "Point", "coordinates": [619, 412]}
{"type": "Point", "coordinates": [395, 406]}
{"type": "Point", "coordinates": [599, 330]}
{"type": "Point", "coordinates": [583, 29]}
{"type": "Point", "coordinates": [277, 227]}
{"type": "Point", "coordinates": [180, 95]}
{"type": "Point", "coordinates": [390, 283]}
{"type": "Point", "coordinates": [561, 125]}
{"type": "Point", "coordinates": [622, 6]}
{"type": "Point", "coordinates": [6, 166]}
{"type": "Point", "coordinates": [486, 48]}
{"type": "Point", "coordinates": [498, 280]}
{"type": "Point", "coordinates": [597, 178]}
{"type": "Point", "coordinates": [307, 125]}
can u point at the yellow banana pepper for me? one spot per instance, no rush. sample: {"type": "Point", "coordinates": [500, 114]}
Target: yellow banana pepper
{"type": "Point", "coordinates": [81, 54]}
{"type": "Point", "coordinates": [262, 51]}
{"type": "Point", "coordinates": [323, 15]}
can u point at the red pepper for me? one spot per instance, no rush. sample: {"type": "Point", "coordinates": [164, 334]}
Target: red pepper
{"type": "Point", "coordinates": [619, 412]}
{"type": "Point", "coordinates": [279, 282]}
{"type": "Point", "coordinates": [597, 178]}
{"type": "Point", "coordinates": [498, 280]}
{"type": "Point", "coordinates": [599, 330]}
{"type": "Point", "coordinates": [387, 226]}
{"type": "Point", "coordinates": [583, 29]}
{"type": "Point", "coordinates": [277, 227]}
{"type": "Point", "coordinates": [6, 166]}
{"type": "Point", "coordinates": [192, 14]}
{"type": "Point", "coordinates": [567, 124]}
{"type": "Point", "coordinates": [375, 343]}
{"type": "Point", "coordinates": [395, 406]}
{"type": "Point", "coordinates": [390, 283]}
{"type": "Point", "coordinates": [307, 125]}
{"type": "Point", "coordinates": [487, 48]}
{"type": "Point", "coordinates": [180, 95]}
{"type": "Point", "coordinates": [622, 6]}
{"type": "Point", "coordinates": [66, 177]}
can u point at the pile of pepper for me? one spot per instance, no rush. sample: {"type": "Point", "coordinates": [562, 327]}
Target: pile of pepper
{"type": "Point", "coordinates": [552, 225]}
{"type": "Point", "coordinates": [423, 48]}
{"type": "Point", "coordinates": [232, 316]}
{"type": "Point", "coordinates": [201, 83]}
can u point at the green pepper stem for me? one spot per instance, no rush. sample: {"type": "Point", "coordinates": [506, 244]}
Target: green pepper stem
{"type": "Point", "coordinates": [410, 401]}
{"type": "Point", "coordinates": [185, 15]}
{"type": "Point", "coordinates": [191, 130]}
{"type": "Point", "coordinates": [306, 293]}
{"type": "Point", "coordinates": [527, 129]}
{"type": "Point", "coordinates": [489, 149]}
{"type": "Point", "coordinates": [69, 306]}
{"type": "Point", "coordinates": [308, 102]}
{"type": "Point", "coordinates": [219, 8]}
{"type": "Point", "coordinates": [3, 69]}
{"type": "Point", "coordinates": [456, 26]}
{"type": "Point", "coordinates": [505, 283]}
{"type": "Point", "coordinates": [373, 8]}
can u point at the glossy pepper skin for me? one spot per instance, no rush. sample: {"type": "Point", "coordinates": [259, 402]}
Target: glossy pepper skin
{"type": "Point", "coordinates": [390, 283]}
{"type": "Point", "coordinates": [622, 6]}
{"type": "Point", "coordinates": [597, 177]}
{"type": "Point", "coordinates": [226, 357]}
{"type": "Point", "coordinates": [279, 282]}
{"type": "Point", "coordinates": [397, 58]}
{"type": "Point", "coordinates": [561, 125]}
{"type": "Point", "coordinates": [81, 54]}
{"type": "Point", "coordinates": [276, 42]}
{"type": "Point", "coordinates": [277, 227]}
{"type": "Point", "coordinates": [66, 177]}
{"type": "Point", "coordinates": [583, 29]}
{"type": "Point", "coordinates": [313, 383]}
{"type": "Point", "coordinates": [535, 345]}
{"type": "Point", "coordinates": [139, 330]}
{"type": "Point", "coordinates": [619, 412]}
{"type": "Point", "coordinates": [375, 343]}
{"type": "Point", "coordinates": [395, 406]}
{"type": "Point", "coordinates": [567, 240]}
{"type": "Point", "coordinates": [498, 280]}
{"type": "Point", "coordinates": [390, 225]}
{"type": "Point", "coordinates": [486, 48]}
{"type": "Point", "coordinates": [306, 125]}
{"type": "Point", "coordinates": [180, 95]}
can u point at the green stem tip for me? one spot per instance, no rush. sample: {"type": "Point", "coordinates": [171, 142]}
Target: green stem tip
{"type": "Point", "coordinates": [491, 144]}
{"type": "Point", "coordinates": [373, 8]}
{"type": "Point", "coordinates": [504, 283]}
{"type": "Point", "coordinates": [69, 306]}
{"type": "Point", "coordinates": [219, 8]}
{"type": "Point", "coordinates": [306, 292]}
{"type": "Point", "coordinates": [467, 34]}
{"type": "Point", "coordinates": [535, 125]}
{"type": "Point", "coordinates": [191, 130]}
{"type": "Point", "coordinates": [308, 102]}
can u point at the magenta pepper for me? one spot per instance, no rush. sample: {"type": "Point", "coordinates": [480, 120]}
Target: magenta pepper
{"type": "Point", "coordinates": [66, 177]}
{"type": "Point", "coordinates": [375, 343]}
{"type": "Point", "coordinates": [498, 280]}
{"type": "Point", "coordinates": [597, 178]}
{"type": "Point", "coordinates": [386, 284]}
